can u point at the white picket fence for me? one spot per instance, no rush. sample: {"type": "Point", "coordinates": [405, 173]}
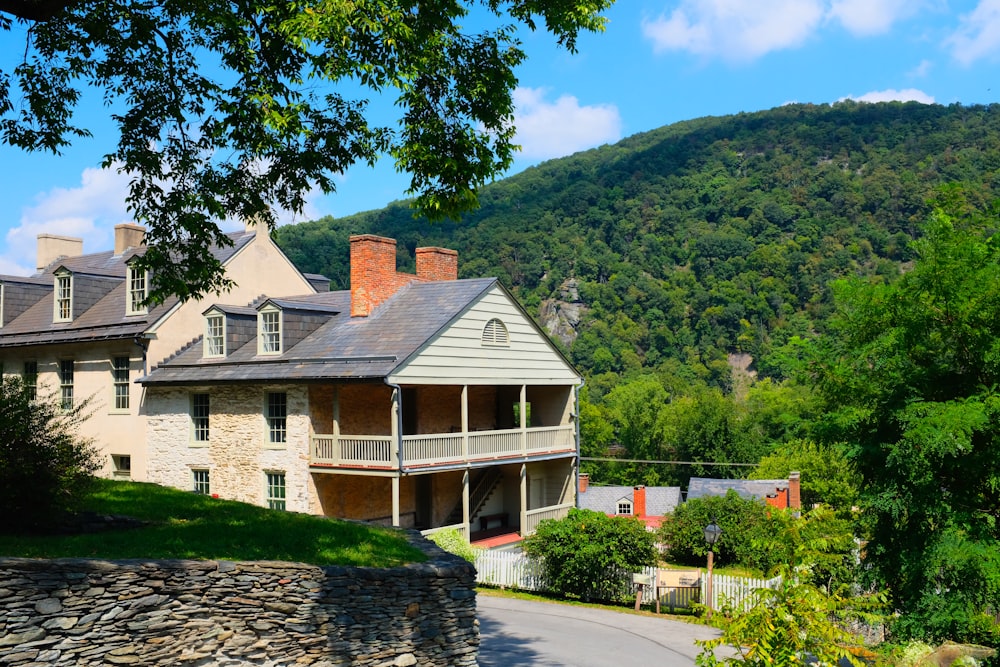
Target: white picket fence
{"type": "Point", "coordinates": [514, 569]}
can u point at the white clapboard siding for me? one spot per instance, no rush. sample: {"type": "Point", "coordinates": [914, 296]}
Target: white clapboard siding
{"type": "Point", "coordinates": [458, 355]}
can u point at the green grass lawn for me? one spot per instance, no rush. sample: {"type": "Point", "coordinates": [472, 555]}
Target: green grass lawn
{"type": "Point", "coordinates": [185, 525]}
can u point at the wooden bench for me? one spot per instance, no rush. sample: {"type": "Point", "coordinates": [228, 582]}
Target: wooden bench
{"type": "Point", "coordinates": [484, 521]}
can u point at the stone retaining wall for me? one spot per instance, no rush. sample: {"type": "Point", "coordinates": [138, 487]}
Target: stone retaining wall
{"type": "Point", "coordinates": [201, 613]}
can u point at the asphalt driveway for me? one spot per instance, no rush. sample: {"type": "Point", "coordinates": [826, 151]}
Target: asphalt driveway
{"type": "Point", "coordinates": [519, 633]}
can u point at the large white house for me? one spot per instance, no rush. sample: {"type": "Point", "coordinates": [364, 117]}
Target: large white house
{"type": "Point", "coordinates": [411, 400]}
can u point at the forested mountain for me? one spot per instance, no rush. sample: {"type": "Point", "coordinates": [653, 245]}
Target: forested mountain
{"type": "Point", "coordinates": [701, 239]}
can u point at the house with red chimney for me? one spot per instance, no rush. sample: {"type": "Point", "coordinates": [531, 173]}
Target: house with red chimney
{"type": "Point", "coordinates": [780, 493]}
{"type": "Point", "coordinates": [413, 400]}
{"type": "Point", "coordinates": [648, 504]}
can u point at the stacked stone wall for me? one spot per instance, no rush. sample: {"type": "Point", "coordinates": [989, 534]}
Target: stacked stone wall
{"type": "Point", "coordinates": [217, 613]}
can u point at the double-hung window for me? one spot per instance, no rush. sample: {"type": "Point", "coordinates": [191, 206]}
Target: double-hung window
{"type": "Point", "coordinates": [215, 336]}
{"type": "Point", "coordinates": [202, 481]}
{"type": "Point", "coordinates": [31, 378]}
{"type": "Point", "coordinates": [63, 297]}
{"type": "Point", "coordinates": [269, 331]}
{"type": "Point", "coordinates": [276, 490]}
{"type": "Point", "coordinates": [119, 373]}
{"type": "Point", "coordinates": [137, 291]}
{"type": "Point", "coordinates": [277, 417]}
{"type": "Point", "coordinates": [66, 368]}
{"type": "Point", "coordinates": [199, 417]}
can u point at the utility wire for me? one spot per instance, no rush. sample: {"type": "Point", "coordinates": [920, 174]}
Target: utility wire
{"type": "Point", "coordinates": [676, 463]}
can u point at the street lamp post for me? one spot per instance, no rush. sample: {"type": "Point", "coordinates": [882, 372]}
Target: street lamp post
{"type": "Point", "coordinates": [712, 533]}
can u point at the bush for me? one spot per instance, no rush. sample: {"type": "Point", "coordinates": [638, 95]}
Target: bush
{"type": "Point", "coordinates": [452, 541]}
{"type": "Point", "coordinates": [45, 467]}
{"type": "Point", "coordinates": [590, 555]}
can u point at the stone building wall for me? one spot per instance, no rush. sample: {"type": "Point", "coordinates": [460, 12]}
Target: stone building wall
{"type": "Point", "coordinates": [75, 612]}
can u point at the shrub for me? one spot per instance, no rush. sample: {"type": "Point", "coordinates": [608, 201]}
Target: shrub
{"type": "Point", "coordinates": [452, 541]}
{"type": "Point", "coordinates": [45, 466]}
{"type": "Point", "coordinates": [590, 555]}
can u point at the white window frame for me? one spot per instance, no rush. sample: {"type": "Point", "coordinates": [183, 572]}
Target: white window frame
{"type": "Point", "coordinates": [496, 334]}
{"type": "Point", "coordinates": [215, 339]}
{"type": "Point", "coordinates": [276, 436]}
{"type": "Point", "coordinates": [276, 489]}
{"type": "Point", "coordinates": [269, 326]}
{"type": "Point", "coordinates": [66, 383]}
{"type": "Point", "coordinates": [122, 465]}
{"type": "Point", "coordinates": [624, 508]}
{"type": "Point", "coordinates": [136, 291]}
{"type": "Point", "coordinates": [62, 297]}
{"type": "Point", "coordinates": [120, 383]}
{"type": "Point", "coordinates": [201, 481]}
{"type": "Point", "coordinates": [197, 429]}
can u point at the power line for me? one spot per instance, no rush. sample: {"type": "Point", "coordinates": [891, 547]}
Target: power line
{"type": "Point", "coordinates": [676, 463]}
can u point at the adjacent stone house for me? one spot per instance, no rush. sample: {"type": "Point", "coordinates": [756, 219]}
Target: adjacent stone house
{"type": "Point", "coordinates": [412, 400]}
{"type": "Point", "coordinates": [79, 328]}
{"type": "Point", "coordinates": [780, 493]}
{"type": "Point", "coordinates": [648, 504]}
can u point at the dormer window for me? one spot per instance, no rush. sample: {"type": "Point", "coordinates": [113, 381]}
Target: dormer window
{"type": "Point", "coordinates": [215, 335]}
{"type": "Point", "coordinates": [269, 331]}
{"type": "Point", "coordinates": [495, 334]}
{"type": "Point", "coordinates": [138, 290]}
{"type": "Point", "coordinates": [624, 508]}
{"type": "Point", "coordinates": [63, 307]}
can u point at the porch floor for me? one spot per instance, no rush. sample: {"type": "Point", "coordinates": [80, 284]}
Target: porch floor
{"type": "Point", "coordinates": [495, 537]}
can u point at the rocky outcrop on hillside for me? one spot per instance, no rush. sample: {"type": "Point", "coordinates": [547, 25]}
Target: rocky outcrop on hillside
{"type": "Point", "coordinates": [561, 316]}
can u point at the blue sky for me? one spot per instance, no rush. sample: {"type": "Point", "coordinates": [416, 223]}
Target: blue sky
{"type": "Point", "coordinates": [659, 62]}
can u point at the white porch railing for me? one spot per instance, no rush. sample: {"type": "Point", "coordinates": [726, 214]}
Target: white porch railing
{"type": "Point", "coordinates": [460, 527]}
{"type": "Point", "coordinates": [535, 517]}
{"type": "Point", "coordinates": [439, 448]}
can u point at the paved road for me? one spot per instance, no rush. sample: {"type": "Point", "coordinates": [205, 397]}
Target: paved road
{"type": "Point", "coordinates": [518, 633]}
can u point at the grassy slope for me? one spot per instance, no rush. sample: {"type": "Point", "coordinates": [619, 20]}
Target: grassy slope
{"type": "Point", "coordinates": [185, 525]}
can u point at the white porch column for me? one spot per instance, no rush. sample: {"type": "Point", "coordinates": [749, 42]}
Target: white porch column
{"type": "Point", "coordinates": [524, 497]}
{"type": "Point", "coordinates": [524, 420]}
{"type": "Point", "coordinates": [397, 442]}
{"type": "Point", "coordinates": [465, 431]}
{"type": "Point", "coordinates": [395, 501]}
{"type": "Point", "coordinates": [336, 422]}
{"type": "Point", "coordinates": [465, 504]}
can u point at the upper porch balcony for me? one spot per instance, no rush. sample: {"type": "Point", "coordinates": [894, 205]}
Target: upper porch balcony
{"type": "Point", "coordinates": [440, 449]}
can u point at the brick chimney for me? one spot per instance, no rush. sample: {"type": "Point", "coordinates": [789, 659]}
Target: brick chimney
{"type": "Point", "coordinates": [584, 482]}
{"type": "Point", "coordinates": [639, 501]}
{"type": "Point", "coordinates": [128, 236]}
{"type": "Point", "coordinates": [778, 499]}
{"type": "Point", "coordinates": [437, 264]}
{"type": "Point", "coordinates": [794, 491]}
{"type": "Point", "coordinates": [373, 270]}
{"type": "Point", "coordinates": [52, 247]}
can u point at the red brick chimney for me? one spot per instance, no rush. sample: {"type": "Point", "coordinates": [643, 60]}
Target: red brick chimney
{"type": "Point", "coordinates": [437, 264]}
{"type": "Point", "coordinates": [794, 491]}
{"type": "Point", "coordinates": [584, 482]}
{"type": "Point", "coordinates": [778, 499]}
{"type": "Point", "coordinates": [639, 501]}
{"type": "Point", "coordinates": [373, 270]}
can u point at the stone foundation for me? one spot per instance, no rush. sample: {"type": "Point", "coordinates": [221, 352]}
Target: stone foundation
{"type": "Point", "coordinates": [208, 613]}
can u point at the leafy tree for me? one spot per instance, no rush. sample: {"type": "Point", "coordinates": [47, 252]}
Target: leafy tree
{"type": "Point", "coordinates": [828, 476]}
{"type": "Point", "coordinates": [911, 372]}
{"type": "Point", "coordinates": [235, 108]}
{"type": "Point", "coordinates": [45, 467]}
{"type": "Point", "coordinates": [589, 554]}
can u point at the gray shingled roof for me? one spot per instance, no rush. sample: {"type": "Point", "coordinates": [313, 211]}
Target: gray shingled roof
{"type": "Point", "coordinates": [660, 500]}
{"type": "Point", "coordinates": [106, 318]}
{"type": "Point", "coordinates": [344, 347]}
{"type": "Point", "coordinates": [700, 487]}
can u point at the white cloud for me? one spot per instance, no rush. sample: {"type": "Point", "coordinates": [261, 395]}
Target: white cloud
{"type": "Point", "coordinates": [978, 36]}
{"type": "Point", "coordinates": [554, 129]}
{"type": "Point", "coordinates": [89, 211]}
{"type": "Point", "coordinates": [921, 70]}
{"type": "Point", "coordinates": [735, 30]}
{"type": "Point", "coordinates": [871, 17]}
{"type": "Point", "coordinates": [890, 95]}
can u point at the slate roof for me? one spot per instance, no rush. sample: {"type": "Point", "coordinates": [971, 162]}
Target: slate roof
{"type": "Point", "coordinates": [343, 347]}
{"type": "Point", "coordinates": [660, 500]}
{"type": "Point", "coordinates": [701, 487]}
{"type": "Point", "coordinates": [106, 318]}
